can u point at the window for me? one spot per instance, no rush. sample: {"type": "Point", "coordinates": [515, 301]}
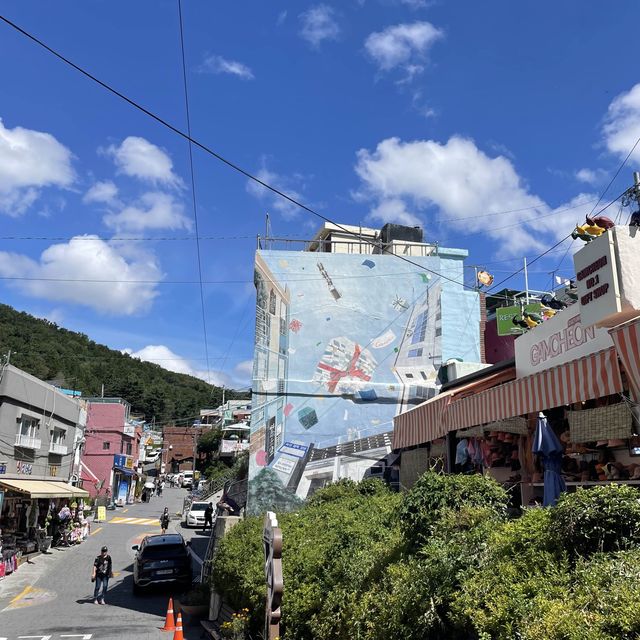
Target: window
{"type": "Point", "coordinates": [283, 327]}
{"type": "Point", "coordinates": [424, 375]}
{"type": "Point", "coordinates": [408, 375]}
{"type": "Point", "coordinates": [106, 446]}
{"type": "Point", "coordinates": [29, 427]}
{"type": "Point", "coordinates": [438, 331]}
{"type": "Point", "coordinates": [57, 436]}
{"type": "Point", "coordinates": [272, 302]}
{"type": "Point", "coordinates": [415, 353]}
{"type": "Point", "coordinates": [128, 448]}
{"type": "Point", "coordinates": [420, 329]}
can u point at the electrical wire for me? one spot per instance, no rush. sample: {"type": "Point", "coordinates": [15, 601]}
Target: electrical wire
{"type": "Point", "coordinates": [193, 190]}
{"type": "Point", "coordinates": [215, 154]}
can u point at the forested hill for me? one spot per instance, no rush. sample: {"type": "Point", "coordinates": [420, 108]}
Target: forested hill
{"type": "Point", "coordinates": [73, 361]}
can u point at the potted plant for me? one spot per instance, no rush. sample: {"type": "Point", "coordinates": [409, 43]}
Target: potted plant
{"type": "Point", "coordinates": [196, 601]}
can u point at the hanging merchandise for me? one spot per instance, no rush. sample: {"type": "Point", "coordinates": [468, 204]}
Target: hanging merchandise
{"type": "Point", "coordinates": [600, 424]}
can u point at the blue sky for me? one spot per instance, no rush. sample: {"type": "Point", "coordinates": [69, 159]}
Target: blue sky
{"type": "Point", "coordinates": [369, 111]}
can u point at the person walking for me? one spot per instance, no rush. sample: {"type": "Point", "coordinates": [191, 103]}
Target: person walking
{"type": "Point", "coordinates": [102, 571]}
{"type": "Point", "coordinates": [164, 520]}
{"type": "Point", "coordinates": [208, 516]}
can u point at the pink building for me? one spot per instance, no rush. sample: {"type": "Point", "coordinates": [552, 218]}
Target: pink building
{"type": "Point", "coordinates": [110, 456]}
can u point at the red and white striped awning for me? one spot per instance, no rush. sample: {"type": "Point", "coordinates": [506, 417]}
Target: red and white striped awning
{"type": "Point", "coordinates": [421, 424]}
{"type": "Point", "coordinates": [626, 338]}
{"type": "Point", "coordinates": [593, 376]}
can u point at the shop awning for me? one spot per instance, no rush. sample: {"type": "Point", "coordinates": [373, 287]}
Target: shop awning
{"type": "Point", "coordinates": [626, 338]}
{"type": "Point", "coordinates": [43, 489]}
{"type": "Point", "coordinates": [427, 422]}
{"type": "Point", "coordinates": [593, 376]}
{"type": "Point", "coordinates": [123, 471]}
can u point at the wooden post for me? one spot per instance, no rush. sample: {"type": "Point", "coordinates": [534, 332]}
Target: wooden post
{"type": "Point", "coordinates": [272, 539]}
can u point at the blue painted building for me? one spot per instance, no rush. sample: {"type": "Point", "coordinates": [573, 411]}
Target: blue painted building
{"type": "Point", "coordinates": [348, 335]}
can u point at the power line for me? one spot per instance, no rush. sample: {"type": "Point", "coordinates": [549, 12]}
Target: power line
{"type": "Point", "coordinates": [210, 151]}
{"type": "Point", "coordinates": [96, 238]}
{"type": "Point", "coordinates": [235, 166]}
{"type": "Point", "coordinates": [193, 190]}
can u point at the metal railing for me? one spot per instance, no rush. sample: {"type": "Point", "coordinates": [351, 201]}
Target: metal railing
{"type": "Point", "coordinates": [60, 449]}
{"type": "Point", "coordinates": [28, 442]}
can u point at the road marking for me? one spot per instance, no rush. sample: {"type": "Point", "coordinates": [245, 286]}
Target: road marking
{"type": "Point", "coordinates": [142, 521]}
{"type": "Point", "coordinates": [22, 594]}
{"type": "Point", "coordinates": [93, 533]}
{"type": "Point", "coordinates": [125, 510]}
{"type": "Point", "coordinates": [86, 636]}
{"type": "Point", "coordinates": [41, 637]}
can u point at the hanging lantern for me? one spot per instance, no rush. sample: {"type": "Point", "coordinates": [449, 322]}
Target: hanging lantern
{"type": "Point", "coordinates": [485, 279]}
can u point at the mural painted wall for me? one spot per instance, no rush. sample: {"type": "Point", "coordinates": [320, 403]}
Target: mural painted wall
{"type": "Point", "coordinates": [344, 342]}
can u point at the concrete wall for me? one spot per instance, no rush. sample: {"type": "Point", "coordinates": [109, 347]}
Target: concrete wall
{"type": "Point", "coordinates": [24, 395]}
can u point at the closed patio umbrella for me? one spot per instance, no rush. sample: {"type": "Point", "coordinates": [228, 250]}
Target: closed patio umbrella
{"type": "Point", "coordinates": [547, 445]}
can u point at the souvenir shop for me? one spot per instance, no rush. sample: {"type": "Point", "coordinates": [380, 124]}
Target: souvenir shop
{"type": "Point", "coordinates": [590, 405]}
{"type": "Point", "coordinates": [38, 514]}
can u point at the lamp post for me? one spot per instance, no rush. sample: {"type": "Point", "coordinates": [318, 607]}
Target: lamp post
{"type": "Point", "coordinates": [162, 456]}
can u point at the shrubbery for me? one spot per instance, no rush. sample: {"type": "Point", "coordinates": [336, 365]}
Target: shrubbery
{"type": "Point", "coordinates": [443, 562]}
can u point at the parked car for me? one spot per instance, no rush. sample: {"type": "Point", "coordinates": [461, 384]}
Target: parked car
{"type": "Point", "coordinates": [195, 515]}
{"type": "Point", "coordinates": [161, 559]}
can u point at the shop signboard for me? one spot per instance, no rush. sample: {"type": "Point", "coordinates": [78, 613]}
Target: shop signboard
{"type": "Point", "coordinates": [129, 430]}
{"type": "Point", "coordinates": [123, 489]}
{"type": "Point", "coordinates": [3, 468]}
{"type": "Point", "coordinates": [1, 500]}
{"type": "Point", "coordinates": [558, 340]}
{"type": "Point", "coordinates": [53, 470]}
{"type": "Point", "coordinates": [294, 449]}
{"type": "Point", "coordinates": [284, 465]}
{"type": "Point", "coordinates": [123, 461]}
{"type": "Point", "coordinates": [597, 280]}
{"type": "Point", "coordinates": [505, 316]}
{"type": "Point", "coordinates": [102, 514]}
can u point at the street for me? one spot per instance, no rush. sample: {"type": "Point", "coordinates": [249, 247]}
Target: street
{"type": "Point", "coordinates": [52, 596]}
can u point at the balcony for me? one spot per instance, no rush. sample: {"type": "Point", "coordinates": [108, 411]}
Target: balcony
{"type": "Point", "coordinates": [60, 449]}
{"type": "Point", "coordinates": [28, 442]}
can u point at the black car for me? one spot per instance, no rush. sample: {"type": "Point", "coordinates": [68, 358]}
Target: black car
{"type": "Point", "coordinates": [162, 559]}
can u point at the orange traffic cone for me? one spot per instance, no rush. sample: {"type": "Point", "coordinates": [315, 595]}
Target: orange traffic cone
{"type": "Point", "coordinates": [169, 624]}
{"type": "Point", "coordinates": [177, 634]}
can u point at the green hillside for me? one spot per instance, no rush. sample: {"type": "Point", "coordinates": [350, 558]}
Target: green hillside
{"type": "Point", "coordinates": [72, 360]}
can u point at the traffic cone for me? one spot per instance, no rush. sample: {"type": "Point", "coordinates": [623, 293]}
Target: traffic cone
{"type": "Point", "coordinates": [169, 623]}
{"type": "Point", "coordinates": [177, 634]}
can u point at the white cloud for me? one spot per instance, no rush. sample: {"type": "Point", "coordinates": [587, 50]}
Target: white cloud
{"type": "Point", "coordinates": [403, 46]}
{"type": "Point", "coordinates": [218, 64]}
{"type": "Point", "coordinates": [287, 209]}
{"type": "Point", "coordinates": [621, 128]}
{"type": "Point", "coordinates": [394, 210]}
{"type": "Point", "coordinates": [319, 24]}
{"type": "Point", "coordinates": [166, 358]}
{"type": "Point", "coordinates": [591, 176]}
{"type": "Point", "coordinates": [154, 210]}
{"type": "Point", "coordinates": [457, 180]}
{"type": "Point", "coordinates": [29, 161]}
{"type": "Point", "coordinates": [139, 158]}
{"type": "Point", "coordinates": [104, 192]}
{"type": "Point", "coordinates": [282, 16]}
{"type": "Point", "coordinates": [58, 273]}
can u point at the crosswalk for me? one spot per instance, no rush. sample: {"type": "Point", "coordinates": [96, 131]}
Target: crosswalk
{"type": "Point", "coordinates": [141, 521]}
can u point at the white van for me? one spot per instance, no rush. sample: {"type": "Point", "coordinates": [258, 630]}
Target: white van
{"type": "Point", "coordinates": [187, 479]}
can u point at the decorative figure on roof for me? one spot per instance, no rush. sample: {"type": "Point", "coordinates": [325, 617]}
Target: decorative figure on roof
{"type": "Point", "coordinates": [552, 302]}
{"type": "Point", "coordinates": [485, 279]}
{"type": "Point", "coordinates": [593, 227]}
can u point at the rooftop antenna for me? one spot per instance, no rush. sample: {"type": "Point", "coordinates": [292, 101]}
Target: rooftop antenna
{"type": "Point", "coordinates": [267, 230]}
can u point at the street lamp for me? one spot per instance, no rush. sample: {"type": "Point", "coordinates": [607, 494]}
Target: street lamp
{"type": "Point", "coordinates": [162, 456]}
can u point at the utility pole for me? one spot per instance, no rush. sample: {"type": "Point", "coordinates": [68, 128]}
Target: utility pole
{"type": "Point", "coordinates": [526, 282]}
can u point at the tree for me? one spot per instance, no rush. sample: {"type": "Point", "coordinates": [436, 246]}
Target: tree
{"type": "Point", "coordinates": [208, 444]}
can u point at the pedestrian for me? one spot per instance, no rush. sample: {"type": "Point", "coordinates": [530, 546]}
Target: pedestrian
{"type": "Point", "coordinates": [102, 571]}
{"type": "Point", "coordinates": [228, 505]}
{"type": "Point", "coordinates": [164, 520]}
{"type": "Point", "coordinates": [208, 516]}
{"type": "Point", "coordinates": [159, 488]}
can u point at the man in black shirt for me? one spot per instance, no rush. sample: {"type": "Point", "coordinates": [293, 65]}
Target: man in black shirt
{"type": "Point", "coordinates": [102, 571]}
{"type": "Point", "coordinates": [208, 516]}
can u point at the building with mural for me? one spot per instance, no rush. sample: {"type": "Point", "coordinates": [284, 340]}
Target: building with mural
{"type": "Point", "coordinates": [348, 335]}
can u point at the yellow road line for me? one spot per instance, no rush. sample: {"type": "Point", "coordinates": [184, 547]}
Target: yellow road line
{"type": "Point", "coordinates": [22, 594]}
{"type": "Point", "coordinates": [93, 533]}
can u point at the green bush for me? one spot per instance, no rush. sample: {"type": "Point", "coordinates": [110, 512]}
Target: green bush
{"type": "Point", "coordinates": [436, 494]}
{"type": "Point", "coordinates": [598, 519]}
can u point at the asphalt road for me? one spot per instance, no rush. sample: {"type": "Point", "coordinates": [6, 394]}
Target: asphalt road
{"type": "Point", "coordinates": [52, 596]}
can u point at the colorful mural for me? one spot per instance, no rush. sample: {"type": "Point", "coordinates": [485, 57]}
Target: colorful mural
{"type": "Point", "coordinates": [343, 343]}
